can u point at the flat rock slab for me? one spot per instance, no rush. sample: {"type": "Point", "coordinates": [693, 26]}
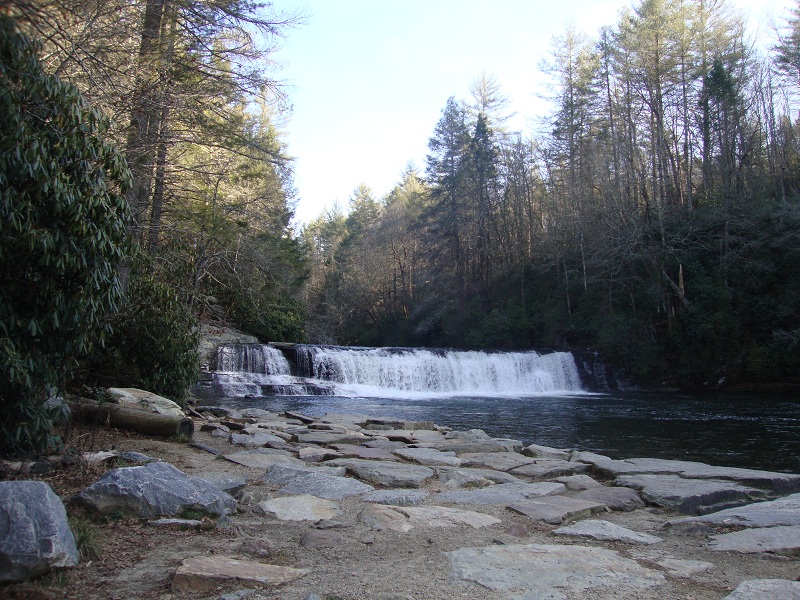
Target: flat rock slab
{"type": "Point", "coordinates": [615, 498]}
{"type": "Point", "coordinates": [386, 474]}
{"type": "Point", "coordinates": [556, 509]}
{"type": "Point", "coordinates": [497, 461]}
{"type": "Point", "coordinates": [462, 446]}
{"type": "Point", "coordinates": [326, 486]}
{"type": "Point", "coordinates": [554, 572]}
{"type": "Point", "coordinates": [255, 440]}
{"type": "Point", "coordinates": [396, 497]}
{"type": "Point", "coordinates": [300, 508]}
{"type": "Point", "coordinates": [690, 496]}
{"type": "Point", "coordinates": [402, 519]}
{"type": "Point", "coordinates": [34, 534]}
{"type": "Point", "coordinates": [205, 573]}
{"type": "Point", "coordinates": [759, 589]}
{"type": "Point", "coordinates": [367, 453]}
{"type": "Point", "coordinates": [580, 482]}
{"type": "Point", "coordinates": [262, 458]}
{"type": "Point", "coordinates": [783, 539]}
{"type": "Point", "coordinates": [446, 473]}
{"type": "Point", "coordinates": [598, 529]}
{"type": "Point", "coordinates": [537, 451]}
{"type": "Point", "coordinates": [504, 493]}
{"type": "Point", "coordinates": [459, 479]}
{"type": "Point", "coordinates": [283, 474]}
{"type": "Point", "coordinates": [406, 436]}
{"type": "Point", "coordinates": [783, 511]}
{"type": "Point", "coordinates": [317, 454]}
{"type": "Point", "coordinates": [327, 438]}
{"type": "Point", "coordinates": [429, 457]}
{"type": "Point", "coordinates": [780, 483]}
{"type": "Point", "coordinates": [549, 468]}
{"type": "Point", "coordinates": [154, 490]}
{"type": "Point", "coordinates": [685, 569]}
{"type": "Point", "coordinates": [391, 423]}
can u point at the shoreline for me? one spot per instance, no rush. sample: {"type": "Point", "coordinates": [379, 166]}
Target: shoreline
{"type": "Point", "coordinates": [452, 514]}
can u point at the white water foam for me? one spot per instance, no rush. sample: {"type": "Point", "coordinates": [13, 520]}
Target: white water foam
{"type": "Point", "coordinates": [252, 358]}
{"type": "Point", "coordinates": [418, 372]}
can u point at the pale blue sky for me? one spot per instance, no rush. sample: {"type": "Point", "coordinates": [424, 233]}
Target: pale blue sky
{"type": "Point", "coordinates": [368, 79]}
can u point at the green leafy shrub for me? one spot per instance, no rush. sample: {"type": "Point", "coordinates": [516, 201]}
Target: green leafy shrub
{"type": "Point", "coordinates": [63, 222]}
{"type": "Point", "coordinates": [154, 341]}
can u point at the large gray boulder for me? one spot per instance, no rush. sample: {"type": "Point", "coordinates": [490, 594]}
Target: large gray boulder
{"type": "Point", "coordinates": [154, 490]}
{"type": "Point", "coordinates": [34, 534]}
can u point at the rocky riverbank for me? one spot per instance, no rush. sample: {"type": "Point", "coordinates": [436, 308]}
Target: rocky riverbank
{"type": "Point", "coordinates": [352, 507]}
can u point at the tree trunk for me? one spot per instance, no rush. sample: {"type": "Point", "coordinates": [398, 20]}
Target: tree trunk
{"type": "Point", "coordinates": [133, 418]}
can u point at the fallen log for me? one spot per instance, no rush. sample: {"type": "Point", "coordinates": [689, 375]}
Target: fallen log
{"type": "Point", "coordinates": [134, 410]}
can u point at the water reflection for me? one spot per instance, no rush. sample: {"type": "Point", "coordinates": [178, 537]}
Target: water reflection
{"type": "Point", "coordinates": [743, 431]}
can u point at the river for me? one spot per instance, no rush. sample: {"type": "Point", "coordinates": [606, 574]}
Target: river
{"type": "Point", "coordinates": [760, 432]}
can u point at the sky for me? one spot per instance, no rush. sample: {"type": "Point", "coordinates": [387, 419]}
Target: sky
{"type": "Point", "coordinates": [367, 79]}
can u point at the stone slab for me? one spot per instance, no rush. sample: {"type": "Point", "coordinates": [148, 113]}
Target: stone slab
{"type": "Point", "coordinates": [615, 498]}
{"type": "Point", "coordinates": [406, 518]}
{"type": "Point", "coordinates": [386, 474]}
{"type": "Point", "coordinates": [474, 472]}
{"type": "Point", "coordinates": [598, 529]}
{"type": "Point", "coordinates": [497, 461]}
{"type": "Point", "coordinates": [391, 423]}
{"type": "Point", "coordinates": [503, 493]}
{"type": "Point", "coordinates": [783, 539]}
{"type": "Point", "coordinates": [326, 438]}
{"type": "Point", "coordinates": [554, 572]}
{"type": "Point", "coordinates": [206, 573]}
{"type": "Point", "coordinates": [549, 468]}
{"type": "Point", "coordinates": [780, 483]}
{"type": "Point", "coordinates": [556, 509]}
{"type": "Point", "coordinates": [300, 508]}
{"type": "Point", "coordinates": [396, 497]}
{"type": "Point", "coordinates": [579, 482]}
{"type": "Point", "coordinates": [690, 496]}
{"type": "Point", "coordinates": [783, 511]}
{"type": "Point", "coordinates": [365, 452]}
{"type": "Point", "coordinates": [255, 440]}
{"type": "Point", "coordinates": [283, 474]}
{"type": "Point", "coordinates": [459, 479]}
{"type": "Point", "coordinates": [685, 569]}
{"type": "Point", "coordinates": [326, 486]}
{"type": "Point", "coordinates": [431, 517]}
{"type": "Point", "coordinates": [760, 589]}
{"type": "Point", "coordinates": [462, 446]}
{"type": "Point", "coordinates": [430, 457]}
{"type": "Point", "coordinates": [537, 451]}
{"type": "Point", "coordinates": [262, 458]}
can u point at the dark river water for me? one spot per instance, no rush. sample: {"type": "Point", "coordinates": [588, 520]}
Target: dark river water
{"type": "Point", "coordinates": [759, 432]}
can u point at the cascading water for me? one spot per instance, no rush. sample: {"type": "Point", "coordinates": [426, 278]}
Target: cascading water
{"type": "Point", "coordinates": [252, 358]}
{"type": "Point", "coordinates": [254, 370]}
{"type": "Point", "coordinates": [421, 371]}
{"type": "Point", "coordinates": [246, 370]}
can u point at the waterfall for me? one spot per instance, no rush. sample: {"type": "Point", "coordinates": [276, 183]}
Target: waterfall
{"type": "Point", "coordinates": [250, 370]}
{"type": "Point", "coordinates": [255, 370]}
{"type": "Point", "coordinates": [441, 371]}
{"type": "Point", "coordinates": [251, 358]}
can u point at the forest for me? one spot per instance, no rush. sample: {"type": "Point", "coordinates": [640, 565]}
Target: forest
{"type": "Point", "coordinates": [652, 217]}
